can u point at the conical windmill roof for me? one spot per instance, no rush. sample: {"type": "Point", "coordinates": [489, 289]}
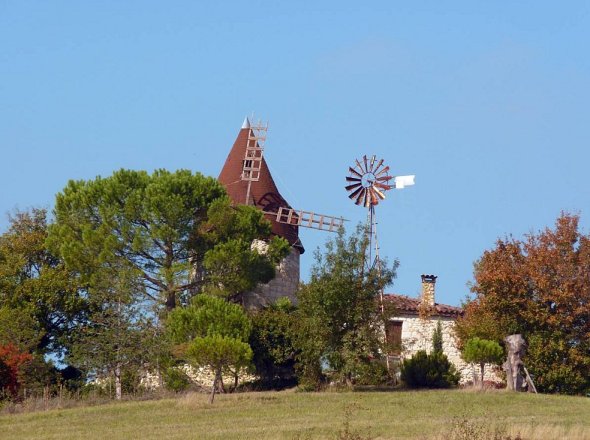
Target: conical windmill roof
{"type": "Point", "coordinates": [264, 193]}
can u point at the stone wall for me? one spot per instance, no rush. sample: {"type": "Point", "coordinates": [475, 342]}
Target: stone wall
{"type": "Point", "coordinates": [417, 335]}
{"type": "Point", "coordinates": [202, 377]}
{"type": "Point", "coordinates": [285, 283]}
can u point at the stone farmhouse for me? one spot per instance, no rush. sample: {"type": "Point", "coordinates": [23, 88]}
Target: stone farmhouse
{"type": "Point", "coordinates": [411, 330]}
{"type": "Point", "coordinates": [415, 320]}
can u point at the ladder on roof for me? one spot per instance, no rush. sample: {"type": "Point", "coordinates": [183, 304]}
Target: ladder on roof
{"type": "Point", "coordinates": [253, 158]}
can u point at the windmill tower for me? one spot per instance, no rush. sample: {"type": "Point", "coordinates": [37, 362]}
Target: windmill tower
{"type": "Point", "coordinates": [248, 181]}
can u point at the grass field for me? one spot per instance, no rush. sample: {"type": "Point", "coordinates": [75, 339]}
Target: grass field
{"type": "Point", "coordinates": [294, 415]}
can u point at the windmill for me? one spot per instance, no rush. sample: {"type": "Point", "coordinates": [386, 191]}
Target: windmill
{"type": "Point", "coordinates": [271, 205]}
{"type": "Point", "coordinates": [368, 180]}
{"type": "Point", "coordinates": [247, 180]}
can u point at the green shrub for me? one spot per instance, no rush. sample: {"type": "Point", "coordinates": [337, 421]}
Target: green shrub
{"type": "Point", "coordinates": [131, 382]}
{"type": "Point", "coordinates": [176, 380]}
{"type": "Point", "coordinates": [373, 373]}
{"type": "Point", "coordinates": [429, 371]}
{"type": "Point", "coordinates": [272, 344]}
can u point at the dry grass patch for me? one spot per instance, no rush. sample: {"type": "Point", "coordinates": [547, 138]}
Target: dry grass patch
{"type": "Point", "coordinates": [293, 415]}
{"type": "Point", "coordinates": [550, 432]}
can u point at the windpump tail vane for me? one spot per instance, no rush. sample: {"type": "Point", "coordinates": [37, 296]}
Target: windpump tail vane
{"type": "Point", "coordinates": [400, 182]}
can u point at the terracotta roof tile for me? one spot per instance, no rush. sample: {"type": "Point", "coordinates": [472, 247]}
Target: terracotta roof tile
{"type": "Point", "coordinates": [405, 305]}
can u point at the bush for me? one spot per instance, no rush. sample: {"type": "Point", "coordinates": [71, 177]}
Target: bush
{"type": "Point", "coordinates": [176, 380]}
{"type": "Point", "coordinates": [72, 378]}
{"type": "Point", "coordinates": [131, 382]}
{"type": "Point", "coordinates": [272, 344]}
{"type": "Point", "coordinates": [373, 373]}
{"type": "Point", "coordinates": [12, 361]}
{"type": "Point", "coordinates": [429, 371]}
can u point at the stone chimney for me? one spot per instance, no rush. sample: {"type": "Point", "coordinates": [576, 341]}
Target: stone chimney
{"type": "Point", "coordinates": [427, 296]}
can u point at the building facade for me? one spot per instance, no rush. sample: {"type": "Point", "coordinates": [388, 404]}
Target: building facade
{"type": "Point", "coordinates": [413, 325]}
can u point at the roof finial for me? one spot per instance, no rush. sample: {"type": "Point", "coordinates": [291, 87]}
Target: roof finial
{"type": "Point", "coordinates": [246, 123]}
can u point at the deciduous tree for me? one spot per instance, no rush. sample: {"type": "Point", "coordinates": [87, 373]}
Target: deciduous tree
{"type": "Point", "coordinates": [11, 362]}
{"type": "Point", "coordinates": [39, 303]}
{"type": "Point", "coordinates": [272, 343]}
{"type": "Point", "coordinates": [116, 336]}
{"type": "Point", "coordinates": [539, 287]}
{"type": "Point", "coordinates": [338, 318]}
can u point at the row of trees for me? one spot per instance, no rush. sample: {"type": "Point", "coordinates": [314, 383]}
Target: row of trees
{"type": "Point", "coordinates": [141, 270]}
{"type": "Point", "coordinates": [92, 287]}
{"type": "Point", "coordinates": [333, 334]}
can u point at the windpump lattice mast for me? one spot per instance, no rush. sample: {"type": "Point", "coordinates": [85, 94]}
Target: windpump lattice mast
{"type": "Point", "coordinates": [368, 180]}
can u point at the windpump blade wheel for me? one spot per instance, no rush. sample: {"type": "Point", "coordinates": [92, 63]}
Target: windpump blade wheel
{"type": "Point", "coordinates": [368, 181]}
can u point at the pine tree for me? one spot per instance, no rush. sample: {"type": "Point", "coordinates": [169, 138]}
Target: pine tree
{"type": "Point", "coordinates": [176, 232]}
{"type": "Point", "coordinates": [213, 333]}
{"type": "Point", "coordinates": [482, 351]}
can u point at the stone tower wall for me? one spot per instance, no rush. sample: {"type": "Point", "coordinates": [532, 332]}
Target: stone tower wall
{"type": "Point", "coordinates": [285, 283]}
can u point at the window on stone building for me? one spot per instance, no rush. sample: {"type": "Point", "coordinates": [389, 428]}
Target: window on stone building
{"type": "Point", "coordinates": [393, 335]}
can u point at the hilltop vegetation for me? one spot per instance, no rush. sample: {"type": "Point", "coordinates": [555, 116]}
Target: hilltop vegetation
{"type": "Point", "coordinates": [105, 283]}
{"type": "Point", "coordinates": [125, 261]}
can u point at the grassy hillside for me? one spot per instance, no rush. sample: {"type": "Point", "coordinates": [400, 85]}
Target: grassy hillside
{"type": "Point", "coordinates": [292, 415]}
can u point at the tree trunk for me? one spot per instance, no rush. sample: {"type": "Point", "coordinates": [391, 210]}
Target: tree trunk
{"type": "Point", "coordinates": [160, 377]}
{"type": "Point", "coordinates": [212, 395]}
{"type": "Point", "coordinates": [215, 384]}
{"type": "Point", "coordinates": [170, 300]}
{"type": "Point", "coordinates": [118, 382]}
{"type": "Point", "coordinates": [349, 382]}
{"type": "Point", "coordinates": [221, 384]}
{"type": "Point", "coordinates": [236, 381]}
{"type": "Point", "coordinates": [481, 366]}
{"type": "Point", "coordinates": [196, 273]}
{"type": "Point", "coordinates": [508, 369]}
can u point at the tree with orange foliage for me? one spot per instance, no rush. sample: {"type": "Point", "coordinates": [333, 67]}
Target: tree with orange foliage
{"type": "Point", "coordinates": [539, 287]}
{"type": "Point", "coordinates": [11, 362]}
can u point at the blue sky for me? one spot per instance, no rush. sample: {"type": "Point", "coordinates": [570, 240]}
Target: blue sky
{"type": "Point", "coordinates": [486, 102]}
